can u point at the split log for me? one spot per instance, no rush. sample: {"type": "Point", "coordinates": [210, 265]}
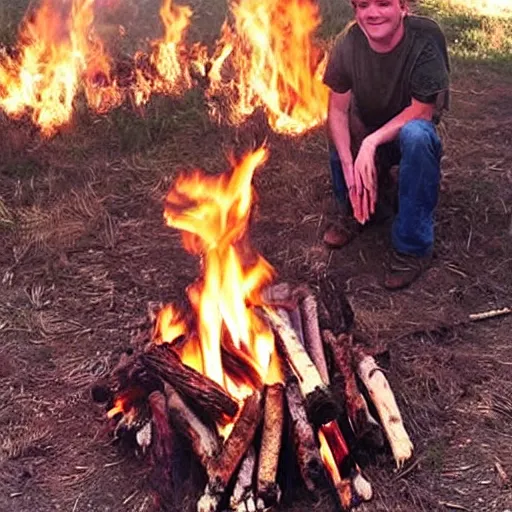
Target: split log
{"type": "Point", "coordinates": [308, 457]}
{"type": "Point", "coordinates": [320, 404]}
{"type": "Point", "coordinates": [267, 487]}
{"type": "Point", "coordinates": [204, 441]}
{"type": "Point", "coordinates": [354, 488]}
{"type": "Point", "coordinates": [161, 449]}
{"type": "Point", "coordinates": [382, 397]}
{"type": "Point", "coordinates": [363, 424]}
{"type": "Point", "coordinates": [243, 495]}
{"type": "Point", "coordinates": [220, 468]}
{"type": "Point", "coordinates": [164, 362]}
{"type": "Point", "coordinates": [312, 337]}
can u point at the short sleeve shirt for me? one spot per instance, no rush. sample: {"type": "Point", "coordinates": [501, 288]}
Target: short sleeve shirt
{"type": "Point", "coordinates": [383, 84]}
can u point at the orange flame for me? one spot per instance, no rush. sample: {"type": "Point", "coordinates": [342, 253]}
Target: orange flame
{"type": "Point", "coordinates": [169, 56]}
{"type": "Point", "coordinates": [275, 63]}
{"type": "Point", "coordinates": [57, 47]}
{"type": "Point", "coordinates": [101, 90]}
{"type": "Point", "coordinates": [213, 214]}
{"type": "Point", "coordinates": [328, 458]}
{"type": "Point", "coordinates": [333, 451]}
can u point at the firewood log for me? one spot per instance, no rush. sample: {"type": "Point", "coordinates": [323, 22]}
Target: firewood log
{"type": "Point", "coordinates": [382, 397]}
{"type": "Point", "coordinates": [204, 441]}
{"type": "Point", "coordinates": [220, 468]}
{"type": "Point", "coordinates": [363, 424]}
{"type": "Point", "coordinates": [320, 405]}
{"type": "Point", "coordinates": [243, 494]}
{"type": "Point", "coordinates": [164, 362]}
{"type": "Point", "coordinates": [312, 337]}
{"type": "Point", "coordinates": [267, 487]}
{"type": "Point", "coordinates": [306, 451]}
{"type": "Point", "coordinates": [353, 482]}
{"type": "Point", "coordinates": [161, 477]}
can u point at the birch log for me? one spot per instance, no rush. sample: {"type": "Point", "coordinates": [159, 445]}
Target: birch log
{"type": "Point", "coordinates": [382, 397]}
{"type": "Point", "coordinates": [320, 405]}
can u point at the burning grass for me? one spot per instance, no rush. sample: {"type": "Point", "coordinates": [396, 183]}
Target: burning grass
{"type": "Point", "coordinates": [69, 305]}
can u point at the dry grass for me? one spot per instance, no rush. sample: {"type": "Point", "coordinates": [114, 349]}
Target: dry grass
{"type": "Point", "coordinates": [85, 249]}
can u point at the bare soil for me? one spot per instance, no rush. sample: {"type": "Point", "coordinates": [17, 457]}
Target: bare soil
{"type": "Point", "coordinates": [84, 249]}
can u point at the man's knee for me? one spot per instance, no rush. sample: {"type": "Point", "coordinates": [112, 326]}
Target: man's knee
{"type": "Point", "coordinates": [420, 135]}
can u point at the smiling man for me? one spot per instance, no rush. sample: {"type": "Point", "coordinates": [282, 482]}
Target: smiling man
{"type": "Point", "coordinates": [389, 76]}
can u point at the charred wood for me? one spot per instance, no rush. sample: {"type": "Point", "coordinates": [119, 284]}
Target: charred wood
{"type": "Point", "coordinates": [205, 442]}
{"type": "Point", "coordinates": [164, 362]}
{"type": "Point", "coordinates": [221, 468]}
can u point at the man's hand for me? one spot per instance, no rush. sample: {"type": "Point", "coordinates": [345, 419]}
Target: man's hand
{"type": "Point", "coordinates": [363, 196]}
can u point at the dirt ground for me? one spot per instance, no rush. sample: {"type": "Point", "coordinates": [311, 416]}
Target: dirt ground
{"type": "Point", "coordinates": [85, 249]}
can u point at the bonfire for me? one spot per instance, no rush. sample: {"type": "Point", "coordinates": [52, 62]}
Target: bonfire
{"type": "Point", "coordinates": [248, 370]}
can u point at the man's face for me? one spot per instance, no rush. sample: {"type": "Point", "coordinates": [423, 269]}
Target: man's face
{"type": "Point", "coordinates": [379, 19]}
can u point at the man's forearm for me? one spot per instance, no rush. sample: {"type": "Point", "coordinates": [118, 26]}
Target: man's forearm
{"type": "Point", "coordinates": [340, 134]}
{"type": "Point", "coordinates": [391, 129]}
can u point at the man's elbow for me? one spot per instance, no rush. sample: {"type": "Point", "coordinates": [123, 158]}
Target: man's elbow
{"type": "Point", "coordinates": [423, 111]}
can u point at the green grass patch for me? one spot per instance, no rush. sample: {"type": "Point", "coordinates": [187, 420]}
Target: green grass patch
{"type": "Point", "coordinates": [471, 35]}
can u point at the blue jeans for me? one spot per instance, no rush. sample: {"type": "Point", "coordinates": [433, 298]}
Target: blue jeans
{"type": "Point", "coordinates": [418, 152]}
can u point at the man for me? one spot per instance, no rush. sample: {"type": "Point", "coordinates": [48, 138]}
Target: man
{"type": "Point", "coordinates": [389, 77]}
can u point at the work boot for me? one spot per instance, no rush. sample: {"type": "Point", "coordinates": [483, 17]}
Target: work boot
{"type": "Point", "coordinates": [404, 269]}
{"type": "Point", "coordinates": [339, 234]}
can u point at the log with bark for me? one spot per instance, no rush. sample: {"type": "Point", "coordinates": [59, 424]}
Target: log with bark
{"type": "Point", "coordinates": [312, 337]}
{"type": "Point", "coordinates": [164, 362]}
{"type": "Point", "coordinates": [320, 404]}
{"type": "Point", "coordinates": [384, 400]}
{"type": "Point", "coordinates": [308, 457]}
{"type": "Point", "coordinates": [271, 441]}
{"type": "Point", "coordinates": [221, 468]}
{"type": "Point", "coordinates": [363, 424]}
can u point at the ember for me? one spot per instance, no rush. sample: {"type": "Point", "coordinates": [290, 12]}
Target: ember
{"type": "Point", "coordinates": [183, 379]}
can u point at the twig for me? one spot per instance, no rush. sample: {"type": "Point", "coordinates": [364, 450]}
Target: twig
{"type": "Point", "coordinates": [129, 498]}
{"type": "Point", "coordinates": [454, 506]}
{"type": "Point", "coordinates": [501, 472]}
{"type": "Point", "coordinates": [76, 502]}
{"type": "Point", "coordinates": [408, 470]}
{"type": "Point", "coordinates": [493, 313]}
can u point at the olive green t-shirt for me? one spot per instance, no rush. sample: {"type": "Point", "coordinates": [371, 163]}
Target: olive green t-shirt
{"type": "Point", "coordinates": [383, 84]}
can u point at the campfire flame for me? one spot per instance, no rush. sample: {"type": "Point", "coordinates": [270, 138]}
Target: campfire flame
{"type": "Point", "coordinates": [275, 62]}
{"type": "Point", "coordinates": [213, 212]}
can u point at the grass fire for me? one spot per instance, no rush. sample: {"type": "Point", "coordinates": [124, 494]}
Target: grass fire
{"type": "Point", "coordinates": [175, 335]}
